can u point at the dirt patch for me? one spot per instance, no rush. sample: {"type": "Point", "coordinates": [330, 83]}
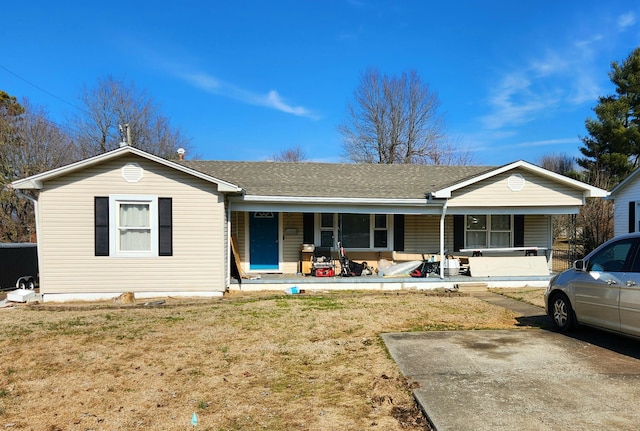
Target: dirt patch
{"type": "Point", "coordinates": [258, 361]}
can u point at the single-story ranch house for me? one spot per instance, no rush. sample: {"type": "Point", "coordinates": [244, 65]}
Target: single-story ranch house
{"type": "Point", "coordinates": [129, 221]}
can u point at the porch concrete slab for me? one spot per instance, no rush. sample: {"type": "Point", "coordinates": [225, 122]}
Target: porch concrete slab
{"type": "Point", "coordinates": [259, 282]}
{"type": "Point", "coordinates": [529, 379]}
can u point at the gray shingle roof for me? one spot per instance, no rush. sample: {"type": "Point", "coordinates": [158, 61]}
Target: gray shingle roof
{"type": "Point", "coordinates": [333, 180]}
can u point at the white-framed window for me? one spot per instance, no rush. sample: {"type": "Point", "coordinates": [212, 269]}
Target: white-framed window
{"type": "Point", "coordinates": [133, 226]}
{"type": "Point", "coordinates": [488, 231]}
{"type": "Point", "coordinates": [355, 231]}
{"type": "Point", "coordinates": [327, 223]}
{"type": "Point", "coordinates": [380, 230]}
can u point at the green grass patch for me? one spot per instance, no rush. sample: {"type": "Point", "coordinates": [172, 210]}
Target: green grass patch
{"type": "Point", "coordinates": [320, 303]}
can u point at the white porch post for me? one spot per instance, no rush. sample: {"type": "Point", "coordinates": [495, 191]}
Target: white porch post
{"type": "Point", "coordinates": [442, 256]}
{"type": "Point", "coordinates": [228, 240]}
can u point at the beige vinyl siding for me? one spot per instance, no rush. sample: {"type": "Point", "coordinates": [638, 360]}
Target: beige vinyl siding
{"type": "Point", "coordinates": [291, 243]}
{"type": "Point", "coordinates": [422, 234]}
{"type": "Point", "coordinates": [67, 233]}
{"type": "Point", "coordinates": [238, 223]}
{"type": "Point", "coordinates": [495, 192]}
{"type": "Point", "coordinates": [536, 231]}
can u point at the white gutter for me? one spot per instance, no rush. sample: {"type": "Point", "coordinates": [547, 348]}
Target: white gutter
{"type": "Point", "coordinates": [324, 200]}
{"type": "Point", "coordinates": [442, 256]}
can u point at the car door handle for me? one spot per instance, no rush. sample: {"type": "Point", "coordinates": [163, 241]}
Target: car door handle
{"type": "Point", "coordinates": [611, 281]}
{"type": "Point", "coordinates": [631, 283]}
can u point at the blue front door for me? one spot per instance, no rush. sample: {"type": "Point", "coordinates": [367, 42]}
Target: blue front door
{"type": "Point", "coordinates": [263, 237]}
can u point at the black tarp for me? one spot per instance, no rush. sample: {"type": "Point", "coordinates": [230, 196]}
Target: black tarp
{"type": "Point", "coordinates": [17, 260]}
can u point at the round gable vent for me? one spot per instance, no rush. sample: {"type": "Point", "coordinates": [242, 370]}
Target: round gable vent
{"type": "Point", "coordinates": [132, 172]}
{"type": "Point", "coordinates": [516, 182]}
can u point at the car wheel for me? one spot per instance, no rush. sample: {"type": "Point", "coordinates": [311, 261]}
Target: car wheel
{"type": "Point", "coordinates": [562, 313]}
{"type": "Point", "coordinates": [22, 284]}
{"type": "Point", "coordinates": [31, 285]}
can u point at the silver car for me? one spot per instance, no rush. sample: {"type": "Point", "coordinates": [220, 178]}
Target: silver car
{"type": "Point", "coordinates": [602, 290]}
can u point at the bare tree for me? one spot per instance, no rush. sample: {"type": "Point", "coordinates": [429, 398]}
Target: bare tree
{"type": "Point", "coordinates": [29, 144]}
{"type": "Point", "coordinates": [565, 230]}
{"type": "Point", "coordinates": [596, 217]}
{"type": "Point", "coordinates": [559, 163]}
{"type": "Point", "coordinates": [114, 112]}
{"type": "Point", "coordinates": [449, 154]}
{"type": "Point", "coordinates": [395, 120]}
{"type": "Point", "coordinates": [295, 154]}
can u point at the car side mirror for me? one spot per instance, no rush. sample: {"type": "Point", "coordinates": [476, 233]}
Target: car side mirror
{"type": "Point", "coordinates": [578, 265]}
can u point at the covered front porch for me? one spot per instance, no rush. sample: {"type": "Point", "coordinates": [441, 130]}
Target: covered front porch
{"type": "Point", "coordinates": [283, 244]}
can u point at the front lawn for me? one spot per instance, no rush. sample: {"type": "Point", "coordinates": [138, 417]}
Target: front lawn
{"type": "Point", "coordinates": [264, 361]}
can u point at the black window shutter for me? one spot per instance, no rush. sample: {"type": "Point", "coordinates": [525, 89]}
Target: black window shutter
{"type": "Point", "coordinates": [632, 216]}
{"type": "Point", "coordinates": [518, 230]}
{"type": "Point", "coordinates": [165, 227]}
{"type": "Point", "coordinates": [101, 225]}
{"type": "Point", "coordinates": [398, 232]}
{"type": "Point", "coordinates": [307, 228]}
{"type": "Point", "coordinates": [458, 232]}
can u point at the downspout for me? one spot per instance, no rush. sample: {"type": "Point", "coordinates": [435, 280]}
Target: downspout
{"type": "Point", "coordinates": [37, 216]}
{"type": "Point", "coordinates": [442, 256]}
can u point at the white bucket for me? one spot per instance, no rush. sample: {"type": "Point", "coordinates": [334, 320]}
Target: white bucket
{"type": "Point", "coordinates": [451, 267]}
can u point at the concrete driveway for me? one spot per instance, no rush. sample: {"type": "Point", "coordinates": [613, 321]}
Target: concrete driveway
{"type": "Point", "coordinates": [528, 379]}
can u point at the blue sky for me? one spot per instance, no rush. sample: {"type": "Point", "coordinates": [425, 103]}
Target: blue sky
{"type": "Point", "coordinates": [248, 79]}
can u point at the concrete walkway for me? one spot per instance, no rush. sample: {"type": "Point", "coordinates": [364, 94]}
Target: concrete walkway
{"type": "Point", "coordinates": [528, 379]}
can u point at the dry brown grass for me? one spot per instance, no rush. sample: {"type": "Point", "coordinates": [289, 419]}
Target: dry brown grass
{"type": "Point", "coordinates": [263, 361]}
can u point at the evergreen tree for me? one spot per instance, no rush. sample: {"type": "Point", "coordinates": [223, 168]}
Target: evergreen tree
{"type": "Point", "coordinates": [612, 149]}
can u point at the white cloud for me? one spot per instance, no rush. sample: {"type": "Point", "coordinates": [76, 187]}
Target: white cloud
{"type": "Point", "coordinates": [203, 81]}
{"type": "Point", "coordinates": [626, 20]}
{"type": "Point", "coordinates": [213, 85]}
{"type": "Point", "coordinates": [588, 42]}
{"type": "Point", "coordinates": [584, 90]}
{"type": "Point", "coordinates": [551, 63]}
{"type": "Point", "coordinates": [547, 142]}
{"type": "Point", "coordinates": [271, 100]}
{"type": "Point", "coordinates": [487, 143]}
{"type": "Point", "coordinates": [561, 78]}
{"type": "Point", "coordinates": [515, 103]}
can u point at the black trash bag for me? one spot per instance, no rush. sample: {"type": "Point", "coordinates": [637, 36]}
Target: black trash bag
{"type": "Point", "coordinates": [356, 268]}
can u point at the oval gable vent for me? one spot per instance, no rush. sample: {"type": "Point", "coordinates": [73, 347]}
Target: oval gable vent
{"type": "Point", "coordinates": [132, 172]}
{"type": "Point", "coordinates": [516, 182]}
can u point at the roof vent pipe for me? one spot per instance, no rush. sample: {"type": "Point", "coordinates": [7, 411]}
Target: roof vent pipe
{"type": "Point", "coordinates": [181, 152]}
